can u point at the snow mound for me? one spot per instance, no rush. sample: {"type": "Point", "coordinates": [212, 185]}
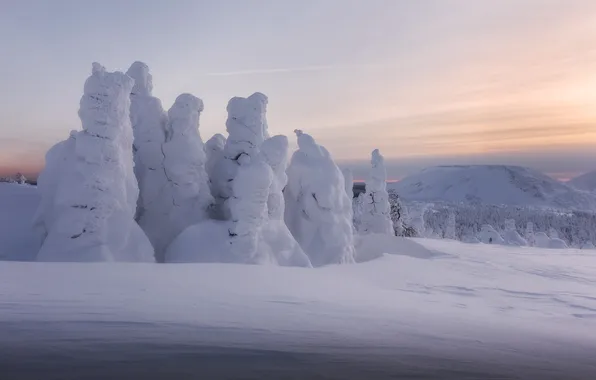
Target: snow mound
{"type": "Point", "coordinates": [492, 184]}
{"type": "Point", "coordinates": [373, 246]}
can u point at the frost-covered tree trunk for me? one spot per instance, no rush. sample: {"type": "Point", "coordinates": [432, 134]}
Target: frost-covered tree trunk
{"type": "Point", "coordinates": [95, 198]}
{"type": "Point", "coordinates": [450, 227]}
{"type": "Point", "coordinates": [318, 210]}
{"type": "Point", "coordinates": [376, 215]}
{"type": "Point", "coordinates": [149, 123]}
{"type": "Point", "coordinates": [247, 129]}
{"type": "Point", "coordinates": [186, 197]}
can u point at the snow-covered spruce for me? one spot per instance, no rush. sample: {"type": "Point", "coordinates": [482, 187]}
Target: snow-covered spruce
{"type": "Point", "coordinates": [450, 227]}
{"type": "Point", "coordinates": [529, 234]}
{"type": "Point", "coordinates": [282, 248]}
{"type": "Point", "coordinates": [149, 123]}
{"type": "Point", "coordinates": [376, 213]}
{"type": "Point", "coordinates": [488, 235]}
{"type": "Point", "coordinates": [185, 198]}
{"type": "Point", "coordinates": [247, 129]}
{"type": "Point", "coordinates": [511, 236]}
{"type": "Point", "coordinates": [318, 210]}
{"type": "Point", "coordinates": [91, 215]}
{"type": "Point", "coordinates": [214, 151]}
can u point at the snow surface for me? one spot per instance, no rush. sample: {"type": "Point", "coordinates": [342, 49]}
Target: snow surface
{"type": "Point", "coordinates": [492, 184]}
{"type": "Point", "coordinates": [495, 304]}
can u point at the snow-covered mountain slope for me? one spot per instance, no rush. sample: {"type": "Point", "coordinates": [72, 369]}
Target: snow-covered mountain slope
{"type": "Point", "coordinates": [492, 184]}
{"type": "Point", "coordinates": [585, 182]}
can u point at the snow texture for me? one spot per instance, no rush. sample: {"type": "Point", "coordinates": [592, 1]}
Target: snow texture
{"type": "Point", "coordinates": [87, 211]}
{"type": "Point", "coordinates": [318, 210]}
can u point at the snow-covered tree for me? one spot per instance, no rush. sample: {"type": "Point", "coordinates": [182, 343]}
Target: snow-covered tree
{"type": "Point", "coordinates": [247, 129]}
{"type": "Point", "coordinates": [450, 227]}
{"type": "Point", "coordinates": [488, 235]}
{"type": "Point", "coordinates": [185, 198]}
{"type": "Point", "coordinates": [511, 236]}
{"type": "Point", "coordinates": [318, 210]}
{"type": "Point", "coordinates": [376, 214]}
{"type": "Point", "coordinates": [91, 215]}
{"type": "Point", "coordinates": [529, 234]}
{"type": "Point", "coordinates": [214, 150]}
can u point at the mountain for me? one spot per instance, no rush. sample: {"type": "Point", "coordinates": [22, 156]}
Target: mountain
{"type": "Point", "coordinates": [585, 182]}
{"type": "Point", "coordinates": [492, 184]}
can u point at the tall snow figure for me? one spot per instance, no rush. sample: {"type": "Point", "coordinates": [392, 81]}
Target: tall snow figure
{"type": "Point", "coordinates": [318, 210]}
{"type": "Point", "coordinates": [247, 129]}
{"type": "Point", "coordinates": [376, 211]}
{"type": "Point", "coordinates": [185, 198]}
{"type": "Point", "coordinates": [96, 197]}
{"type": "Point", "coordinates": [283, 248]}
{"type": "Point", "coordinates": [149, 123]}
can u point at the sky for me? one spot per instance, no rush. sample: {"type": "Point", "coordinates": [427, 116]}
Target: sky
{"type": "Point", "coordinates": [428, 82]}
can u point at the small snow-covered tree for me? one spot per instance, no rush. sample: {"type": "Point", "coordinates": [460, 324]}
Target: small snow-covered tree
{"type": "Point", "coordinates": [247, 129]}
{"type": "Point", "coordinates": [511, 236]}
{"type": "Point", "coordinates": [488, 235]}
{"type": "Point", "coordinates": [450, 227]}
{"type": "Point", "coordinates": [529, 234]}
{"type": "Point", "coordinates": [95, 198]}
{"type": "Point", "coordinates": [318, 210]}
{"type": "Point", "coordinates": [214, 150]}
{"type": "Point", "coordinates": [149, 122]}
{"type": "Point", "coordinates": [376, 214]}
{"type": "Point", "coordinates": [185, 198]}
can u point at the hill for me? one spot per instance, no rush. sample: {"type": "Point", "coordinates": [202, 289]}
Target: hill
{"type": "Point", "coordinates": [492, 184]}
{"type": "Point", "coordinates": [585, 182]}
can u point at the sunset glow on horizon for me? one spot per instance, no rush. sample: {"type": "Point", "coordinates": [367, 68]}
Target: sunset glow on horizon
{"type": "Point", "coordinates": [427, 82]}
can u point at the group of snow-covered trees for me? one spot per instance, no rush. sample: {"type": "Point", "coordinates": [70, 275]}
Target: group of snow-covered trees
{"type": "Point", "coordinates": [137, 183]}
{"type": "Point", "coordinates": [511, 225]}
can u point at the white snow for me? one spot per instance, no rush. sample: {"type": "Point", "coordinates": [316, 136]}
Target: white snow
{"type": "Point", "coordinates": [464, 301]}
{"type": "Point", "coordinates": [318, 210]}
{"type": "Point", "coordinates": [87, 211]}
